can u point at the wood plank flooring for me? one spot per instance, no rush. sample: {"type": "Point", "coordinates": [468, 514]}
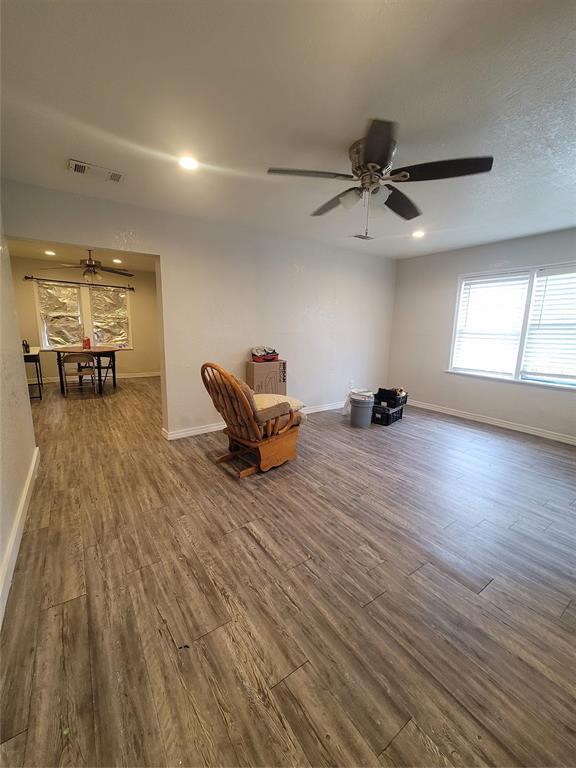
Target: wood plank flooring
{"type": "Point", "coordinates": [399, 596]}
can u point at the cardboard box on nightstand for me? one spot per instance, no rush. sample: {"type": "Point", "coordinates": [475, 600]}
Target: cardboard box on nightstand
{"type": "Point", "coordinates": [267, 377]}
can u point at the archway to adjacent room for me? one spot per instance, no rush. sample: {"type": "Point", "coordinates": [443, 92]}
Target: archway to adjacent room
{"type": "Point", "coordinates": [60, 304]}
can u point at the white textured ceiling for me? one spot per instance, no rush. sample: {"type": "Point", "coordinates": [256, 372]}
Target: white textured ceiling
{"type": "Point", "coordinates": [244, 84]}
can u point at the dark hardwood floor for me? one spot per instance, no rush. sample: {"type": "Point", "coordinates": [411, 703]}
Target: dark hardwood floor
{"type": "Point", "coordinates": [399, 596]}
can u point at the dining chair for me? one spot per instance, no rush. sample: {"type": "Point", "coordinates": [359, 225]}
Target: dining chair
{"type": "Point", "coordinates": [84, 367]}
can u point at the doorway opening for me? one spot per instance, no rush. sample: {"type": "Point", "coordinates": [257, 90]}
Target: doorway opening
{"type": "Point", "coordinates": [101, 304]}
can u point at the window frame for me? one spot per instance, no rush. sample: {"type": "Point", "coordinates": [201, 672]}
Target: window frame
{"type": "Point", "coordinates": [515, 379]}
{"type": "Point", "coordinates": [85, 316]}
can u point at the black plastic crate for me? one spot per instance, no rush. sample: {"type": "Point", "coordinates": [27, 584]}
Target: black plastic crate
{"type": "Point", "coordinates": [390, 397]}
{"type": "Point", "coordinates": [385, 416]}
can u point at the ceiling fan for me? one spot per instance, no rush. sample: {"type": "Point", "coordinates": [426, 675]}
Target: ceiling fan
{"type": "Point", "coordinates": [371, 159]}
{"type": "Point", "coordinates": [91, 268]}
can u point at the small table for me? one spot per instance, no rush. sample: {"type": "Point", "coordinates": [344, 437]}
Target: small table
{"type": "Point", "coordinates": [34, 357]}
{"type": "Point", "coordinates": [99, 353]}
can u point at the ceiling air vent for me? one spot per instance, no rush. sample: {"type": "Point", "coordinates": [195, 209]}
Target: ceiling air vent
{"type": "Point", "coordinates": [77, 167]}
{"type": "Point", "coordinates": [96, 171]}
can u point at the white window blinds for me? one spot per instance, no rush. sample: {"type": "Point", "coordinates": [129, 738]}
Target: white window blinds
{"type": "Point", "coordinates": [550, 348]}
{"type": "Point", "coordinates": [489, 324]}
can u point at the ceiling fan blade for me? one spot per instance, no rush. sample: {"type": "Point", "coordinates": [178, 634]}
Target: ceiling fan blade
{"type": "Point", "coordinates": [380, 143]}
{"type": "Point", "coordinates": [445, 169]}
{"type": "Point", "coordinates": [116, 271]}
{"type": "Point", "coordinates": [309, 174]}
{"type": "Point", "coordinates": [400, 204]}
{"type": "Point", "coordinates": [334, 201]}
{"type": "Point", "coordinates": [62, 266]}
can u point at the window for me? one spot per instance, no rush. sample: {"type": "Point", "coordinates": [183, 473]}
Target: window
{"type": "Point", "coordinates": [67, 313]}
{"type": "Point", "coordinates": [518, 326]}
{"type": "Point", "coordinates": [489, 324]}
{"type": "Point", "coordinates": [59, 314]}
{"type": "Point", "coordinates": [109, 312]}
{"type": "Point", "coordinates": [550, 348]}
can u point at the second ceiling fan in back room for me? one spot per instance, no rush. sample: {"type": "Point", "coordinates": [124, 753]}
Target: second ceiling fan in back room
{"type": "Point", "coordinates": [371, 159]}
{"type": "Point", "coordinates": [91, 268]}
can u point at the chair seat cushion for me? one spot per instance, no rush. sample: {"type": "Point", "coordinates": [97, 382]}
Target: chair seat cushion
{"type": "Point", "coordinates": [270, 414]}
{"type": "Point", "coordinates": [268, 400]}
{"type": "Point", "coordinates": [281, 410]}
{"type": "Point", "coordinates": [269, 406]}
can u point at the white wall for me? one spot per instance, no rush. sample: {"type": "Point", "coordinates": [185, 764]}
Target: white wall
{"type": "Point", "coordinates": [426, 289]}
{"type": "Point", "coordinates": [145, 355]}
{"type": "Point", "coordinates": [18, 454]}
{"type": "Point", "coordinates": [225, 289]}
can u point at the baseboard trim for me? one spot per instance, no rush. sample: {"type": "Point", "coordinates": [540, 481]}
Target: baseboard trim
{"type": "Point", "coordinates": [56, 380]}
{"type": "Point", "coordinates": [15, 537]}
{"type": "Point", "coordinates": [325, 407]}
{"type": "Point", "coordinates": [177, 434]}
{"type": "Point", "coordinates": [558, 436]}
{"type": "Point", "coordinates": [151, 375]}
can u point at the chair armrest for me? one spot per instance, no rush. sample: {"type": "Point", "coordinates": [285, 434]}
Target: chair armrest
{"type": "Point", "coordinates": [287, 426]}
{"type": "Point", "coordinates": [266, 414]}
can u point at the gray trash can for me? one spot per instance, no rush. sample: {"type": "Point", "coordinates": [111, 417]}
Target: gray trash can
{"type": "Point", "coordinates": [360, 411]}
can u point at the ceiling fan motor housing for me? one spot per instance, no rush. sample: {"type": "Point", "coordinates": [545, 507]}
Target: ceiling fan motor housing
{"type": "Point", "coordinates": [90, 262]}
{"type": "Point", "coordinates": [369, 175]}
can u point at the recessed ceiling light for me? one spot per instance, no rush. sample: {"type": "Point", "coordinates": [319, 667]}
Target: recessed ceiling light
{"type": "Point", "coordinates": [189, 163]}
{"type": "Point", "coordinates": [117, 261]}
{"type": "Point", "coordinates": [50, 253]}
{"type": "Point", "coordinates": [418, 233]}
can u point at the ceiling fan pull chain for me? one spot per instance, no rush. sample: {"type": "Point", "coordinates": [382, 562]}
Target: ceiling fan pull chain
{"type": "Point", "coordinates": [367, 207]}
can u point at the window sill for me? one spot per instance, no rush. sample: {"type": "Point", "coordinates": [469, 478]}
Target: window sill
{"type": "Point", "coordinates": [504, 380]}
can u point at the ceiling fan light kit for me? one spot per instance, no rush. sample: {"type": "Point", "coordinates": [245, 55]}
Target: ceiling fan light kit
{"type": "Point", "coordinates": [91, 274]}
{"type": "Point", "coordinates": [371, 159]}
{"type": "Point", "coordinates": [349, 198]}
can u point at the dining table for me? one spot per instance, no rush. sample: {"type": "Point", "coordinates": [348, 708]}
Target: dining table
{"type": "Point", "coordinates": [99, 352]}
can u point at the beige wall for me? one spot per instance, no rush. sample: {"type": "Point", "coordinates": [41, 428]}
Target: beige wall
{"type": "Point", "coordinates": [426, 292]}
{"type": "Point", "coordinates": [226, 288]}
{"type": "Point", "coordinates": [18, 455]}
{"type": "Point", "coordinates": [144, 358]}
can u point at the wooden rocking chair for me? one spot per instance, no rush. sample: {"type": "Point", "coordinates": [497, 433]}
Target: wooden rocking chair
{"type": "Point", "coordinates": [270, 433]}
